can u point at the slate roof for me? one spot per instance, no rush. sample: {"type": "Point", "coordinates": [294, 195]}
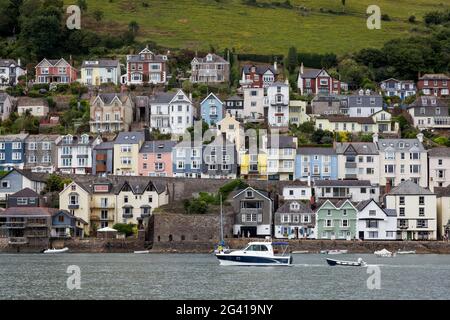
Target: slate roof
{"type": "Point", "coordinates": [314, 151]}
{"type": "Point", "coordinates": [4, 96]}
{"type": "Point", "coordinates": [439, 152]}
{"type": "Point", "coordinates": [162, 97]}
{"type": "Point", "coordinates": [442, 191]}
{"type": "Point", "coordinates": [337, 203]}
{"type": "Point", "coordinates": [106, 145]}
{"type": "Point", "coordinates": [7, 62]}
{"type": "Point", "coordinates": [158, 146]}
{"type": "Point", "coordinates": [100, 63]}
{"type": "Point", "coordinates": [310, 72]}
{"type": "Point", "coordinates": [284, 142]}
{"type": "Point", "coordinates": [389, 212]}
{"type": "Point", "coordinates": [132, 137]}
{"type": "Point", "coordinates": [427, 102]}
{"type": "Point", "coordinates": [107, 98]}
{"type": "Point", "coordinates": [14, 137]}
{"type": "Point", "coordinates": [137, 184]}
{"type": "Point", "coordinates": [339, 118]}
{"type": "Point", "coordinates": [360, 147]}
{"type": "Point", "coordinates": [435, 76]}
{"type": "Point", "coordinates": [25, 193]}
{"type": "Point", "coordinates": [394, 145]}
{"type": "Point", "coordinates": [27, 101]}
{"type": "Point", "coordinates": [409, 188]}
{"type": "Point", "coordinates": [286, 207]}
{"type": "Point", "coordinates": [216, 59]}
{"type": "Point", "coordinates": [342, 183]}
{"type": "Point", "coordinates": [29, 211]}
{"type": "Point", "coordinates": [141, 101]}
{"type": "Point", "coordinates": [42, 137]}
{"type": "Point", "coordinates": [235, 98]}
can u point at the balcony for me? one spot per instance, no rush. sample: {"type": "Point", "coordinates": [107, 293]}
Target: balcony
{"type": "Point", "coordinates": [101, 157]}
{"type": "Point", "coordinates": [13, 225]}
{"type": "Point", "coordinates": [351, 176]}
{"type": "Point", "coordinates": [58, 234]}
{"type": "Point", "coordinates": [127, 215]}
{"type": "Point", "coordinates": [100, 168]}
{"type": "Point", "coordinates": [350, 165]}
{"type": "Point", "coordinates": [251, 211]}
{"type": "Point", "coordinates": [283, 102]}
{"type": "Point", "coordinates": [402, 226]}
{"type": "Point", "coordinates": [73, 206]}
{"type": "Point", "coordinates": [17, 240]}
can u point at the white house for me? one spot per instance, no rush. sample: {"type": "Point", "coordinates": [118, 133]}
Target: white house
{"type": "Point", "coordinates": [10, 71]}
{"type": "Point", "coordinates": [355, 190]}
{"type": "Point", "coordinates": [417, 211]}
{"type": "Point", "coordinates": [439, 164]}
{"type": "Point", "coordinates": [374, 222]}
{"type": "Point", "coordinates": [181, 113]}
{"type": "Point", "coordinates": [37, 107]}
{"type": "Point", "coordinates": [6, 106]}
{"type": "Point", "coordinates": [254, 102]}
{"type": "Point", "coordinates": [298, 190]}
{"type": "Point", "coordinates": [75, 153]}
{"type": "Point", "coordinates": [96, 72]}
{"type": "Point", "coordinates": [278, 98]}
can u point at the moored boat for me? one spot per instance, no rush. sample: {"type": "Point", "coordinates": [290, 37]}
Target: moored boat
{"type": "Point", "coordinates": [406, 252]}
{"type": "Point", "coordinates": [359, 263]}
{"type": "Point", "coordinates": [142, 252]}
{"type": "Point", "coordinates": [334, 251]}
{"type": "Point", "coordinates": [257, 254]}
{"type": "Point", "coordinates": [384, 253]}
{"type": "Point", "coordinates": [56, 250]}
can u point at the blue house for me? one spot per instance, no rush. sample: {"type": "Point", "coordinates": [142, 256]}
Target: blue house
{"type": "Point", "coordinates": [12, 151]}
{"type": "Point", "coordinates": [187, 159]}
{"type": "Point", "coordinates": [212, 109]}
{"type": "Point", "coordinates": [316, 163]}
{"type": "Point", "coordinates": [66, 225]}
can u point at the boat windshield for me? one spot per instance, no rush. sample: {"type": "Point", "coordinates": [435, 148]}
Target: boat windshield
{"type": "Point", "coordinates": [257, 247]}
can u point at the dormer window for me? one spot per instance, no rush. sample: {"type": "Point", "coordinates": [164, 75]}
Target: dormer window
{"type": "Point", "coordinates": [249, 194]}
{"type": "Point", "coordinates": [295, 206]}
{"type": "Point", "coordinates": [424, 101]}
{"type": "Point", "coordinates": [84, 139]}
{"type": "Point", "coordinates": [209, 58]}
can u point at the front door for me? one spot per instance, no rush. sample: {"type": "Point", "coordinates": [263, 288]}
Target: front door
{"type": "Point", "coordinates": [361, 235]}
{"type": "Point", "coordinates": [249, 231]}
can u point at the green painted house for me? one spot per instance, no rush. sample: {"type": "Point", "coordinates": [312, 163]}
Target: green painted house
{"type": "Point", "coordinates": [336, 220]}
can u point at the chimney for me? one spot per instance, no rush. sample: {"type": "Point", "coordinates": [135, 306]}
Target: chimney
{"type": "Point", "coordinates": [388, 186]}
{"type": "Point", "coordinates": [18, 62]}
{"type": "Point", "coordinates": [420, 137]}
{"type": "Point", "coordinates": [275, 67]}
{"type": "Point", "coordinates": [309, 181]}
{"type": "Point", "coordinates": [190, 96]}
{"type": "Point", "coordinates": [375, 137]}
{"type": "Point", "coordinates": [301, 68]}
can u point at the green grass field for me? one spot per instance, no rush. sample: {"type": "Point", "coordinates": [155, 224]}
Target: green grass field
{"type": "Point", "coordinates": [197, 24]}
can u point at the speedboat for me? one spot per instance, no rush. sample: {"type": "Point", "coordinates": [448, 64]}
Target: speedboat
{"type": "Point", "coordinates": [142, 252]}
{"type": "Point", "coordinates": [257, 254]}
{"type": "Point", "coordinates": [384, 253]}
{"type": "Point", "coordinates": [56, 250]}
{"type": "Point", "coordinates": [406, 252]}
{"type": "Point", "coordinates": [359, 263]}
{"type": "Point", "coordinates": [333, 251]}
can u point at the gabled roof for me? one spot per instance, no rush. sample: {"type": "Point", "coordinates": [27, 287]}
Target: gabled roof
{"type": "Point", "coordinates": [261, 193]}
{"type": "Point", "coordinates": [4, 96]}
{"type": "Point", "coordinates": [315, 151]}
{"type": "Point", "coordinates": [8, 62]}
{"type": "Point", "coordinates": [259, 69]}
{"type": "Point", "coordinates": [162, 97]}
{"type": "Point", "coordinates": [358, 147]}
{"type": "Point", "coordinates": [434, 76]}
{"type": "Point", "coordinates": [235, 98]}
{"type": "Point", "coordinates": [28, 102]}
{"type": "Point", "coordinates": [338, 204]}
{"type": "Point", "coordinates": [311, 73]}
{"type": "Point", "coordinates": [25, 193]}
{"type": "Point", "coordinates": [442, 191]}
{"type": "Point", "coordinates": [208, 97]}
{"type": "Point", "coordinates": [28, 211]}
{"type": "Point", "coordinates": [409, 188]}
{"type": "Point", "coordinates": [347, 119]}
{"type": "Point", "coordinates": [32, 176]}
{"type": "Point", "coordinates": [342, 183]}
{"type": "Point", "coordinates": [215, 59]}
{"type": "Point", "coordinates": [395, 145]}
{"type": "Point", "coordinates": [286, 207]}
{"type": "Point", "coordinates": [108, 98]}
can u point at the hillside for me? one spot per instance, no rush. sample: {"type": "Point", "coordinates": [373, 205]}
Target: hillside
{"type": "Point", "coordinates": [198, 24]}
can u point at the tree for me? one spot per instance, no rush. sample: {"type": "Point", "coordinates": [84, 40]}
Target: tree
{"type": "Point", "coordinates": [292, 59]}
{"type": "Point", "coordinates": [133, 26]}
{"type": "Point", "coordinates": [82, 4]}
{"type": "Point", "coordinates": [55, 183]}
{"type": "Point", "coordinates": [343, 5]}
{"type": "Point", "coordinates": [126, 229]}
{"type": "Point", "coordinates": [98, 15]}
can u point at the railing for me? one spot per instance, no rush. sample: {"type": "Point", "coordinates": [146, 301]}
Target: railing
{"type": "Point", "coordinates": [18, 240]}
{"type": "Point", "coordinates": [251, 210]}
{"type": "Point", "coordinates": [350, 165]}
{"type": "Point", "coordinates": [127, 215]}
{"type": "Point", "coordinates": [73, 206]}
{"type": "Point", "coordinates": [13, 225]}
{"type": "Point", "coordinates": [276, 102]}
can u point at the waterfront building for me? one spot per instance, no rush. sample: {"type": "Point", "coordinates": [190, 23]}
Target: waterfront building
{"type": "Point", "coordinates": [155, 158]}
{"type": "Point", "coordinates": [16, 180]}
{"type": "Point", "coordinates": [376, 223]}
{"type": "Point", "coordinates": [439, 166]}
{"type": "Point", "coordinates": [294, 220]}
{"type": "Point", "coordinates": [187, 159]}
{"type": "Point", "coordinates": [336, 220]}
{"type": "Point", "coordinates": [313, 163]}
{"type": "Point", "coordinates": [281, 153]}
{"type": "Point", "coordinates": [297, 190]}
{"type": "Point", "coordinates": [220, 159]}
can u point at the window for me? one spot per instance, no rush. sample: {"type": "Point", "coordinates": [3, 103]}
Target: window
{"type": "Point", "coordinates": [180, 164]}
{"type": "Point", "coordinates": [125, 199]}
{"type": "Point", "coordinates": [5, 184]}
{"type": "Point", "coordinates": [422, 224]}
{"type": "Point", "coordinates": [17, 156]}
{"type": "Point", "coordinates": [414, 156]}
{"type": "Point", "coordinates": [73, 199]}
{"type": "Point", "coordinates": [402, 211]}
{"type": "Point", "coordinates": [125, 149]}
{"type": "Point", "coordinates": [414, 168]}
{"type": "Point", "coordinates": [402, 200]}
{"type": "Point", "coordinates": [372, 213]}
{"type": "Point", "coordinates": [389, 168]}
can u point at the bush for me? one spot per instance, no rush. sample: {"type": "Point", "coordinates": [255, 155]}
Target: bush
{"type": "Point", "coordinates": [127, 229]}
{"type": "Point", "coordinates": [385, 17]}
{"type": "Point", "coordinates": [412, 19]}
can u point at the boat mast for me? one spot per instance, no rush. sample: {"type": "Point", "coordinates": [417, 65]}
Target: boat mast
{"type": "Point", "coordinates": [221, 220]}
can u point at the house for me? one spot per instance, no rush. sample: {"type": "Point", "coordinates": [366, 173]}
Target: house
{"type": "Point", "coordinates": [374, 222]}
{"type": "Point", "coordinates": [187, 159]}
{"type": "Point", "coordinates": [316, 163]}
{"type": "Point", "coordinates": [258, 76]}
{"type": "Point", "coordinates": [385, 123]}
{"type": "Point", "coordinates": [75, 153]}
{"type": "Point", "coordinates": [55, 71]}
{"type": "Point", "coordinates": [16, 180]}
{"type": "Point", "coordinates": [254, 102]}
{"type": "Point", "coordinates": [10, 71]}
{"type": "Point", "coordinates": [211, 69]}
{"type": "Point", "coordinates": [233, 130]}
{"type": "Point", "coordinates": [171, 112]}
{"type": "Point", "coordinates": [434, 84]}
{"type": "Point", "coordinates": [234, 106]}
{"type": "Point", "coordinates": [354, 190]}
{"type": "Point", "coordinates": [278, 110]}
{"type": "Point", "coordinates": [220, 159]}
{"type": "Point", "coordinates": [430, 112]}
{"type": "Point", "coordinates": [111, 112]}
{"type": "Point", "coordinates": [416, 209]}
{"type": "Point", "coordinates": [65, 225]}
{"type": "Point", "coordinates": [401, 160]}
{"type": "Point", "coordinates": [211, 109]}
{"type": "Point", "coordinates": [328, 104]}
{"type": "Point", "coordinates": [297, 190]}
{"type": "Point", "coordinates": [12, 151]}
{"type": "Point", "coordinates": [342, 123]}
{"type": "Point", "coordinates": [155, 158]}
{"type": "Point", "coordinates": [295, 220]}
{"type": "Point", "coordinates": [297, 112]}
{"type": "Point", "coordinates": [24, 198]}
{"type": "Point", "coordinates": [37, 107]}
{"type": "Point", "coordinates": [6, 106]}
{"type": "Point", "coordinates": [398, 88]}
{"type": "Point", "coordinates": [358, 160]}
{"type": "Point", "coordinates": [254, 213]}
{"type": "Point", "coordinates": [281, 153]}
{"type": "Point", "coordinates": [362, 104]}
{"type": "Point", "coordinates": [142, 110]}
{"type": "Point", "coordinates": [97, 72]}
{"type": "Point", "coordinates": [103, 157]}
{"type": "Point", "coordinates": [103, 202]}
{"type": "Point", "coordinates": [145, 67]}
{"type": "Point", "coordinates": [336, 220]}
{"type": "Point", "coordinates": [439, 167]}
{"type": "Point", "coordinates": [126, 152]}
{"type": "Point", "coordinates": [41, 153]}
{"type": "Point", "coordinates": [443, 212]}
{"type": "Point", "coordinates": [317, 81]}
{"type": "Point", "coordinates": [254, 164]}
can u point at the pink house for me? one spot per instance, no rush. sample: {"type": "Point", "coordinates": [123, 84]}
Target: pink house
{"type": "Point", "coordinates": [55, 71]}
{"type": "Point", "coordinates": [155, 158]}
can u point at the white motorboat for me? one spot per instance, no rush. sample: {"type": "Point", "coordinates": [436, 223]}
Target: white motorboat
{"type": "Point", "coordinates": [257, 254]}
{"type": "Point", "coordinates": [406, 252]}
{"type": "Point", "coordinates": [142, 252]}
{"type": "Point", "coordinates": [384, 253]}
{"type": "Point", "coordinates": [359, 263]}
{"type": "Point", "coordinates": [334, 251]}
{"type": "Point", "coordinates": [56, 250]}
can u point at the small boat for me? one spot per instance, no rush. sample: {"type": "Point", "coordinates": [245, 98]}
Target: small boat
{"type": "Point", "coordinates": [406, 252]}
{"type": "Point", "coordinates": [300, 252]}
{"type": "Point", "coordinates": [359, 263]}
{"type": "Point", "coordinates": [334, 251]}
{"type": "Point", "coordinates": [142, 252]}
{"type": "Point", "coordinates": [56, 250]}
{"type": "Point", "coordinates": [257, 254]}
{"type": "Point", "coordinates": [384, 253]}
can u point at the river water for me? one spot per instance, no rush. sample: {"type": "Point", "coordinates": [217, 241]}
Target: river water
{"type": "Point", "coordinates": [199, 276]}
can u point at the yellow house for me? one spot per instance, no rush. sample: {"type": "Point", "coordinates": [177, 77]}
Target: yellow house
{"type": "Point", "coordinates": [233, 130]}
{"type": "Point", "coordinates": [126, 153]}
{"type": "Point", "coordinates": [76, 199]}
{"type": "Point", "coordinates": [297, 112]}
{"type": "Point", "coordinates": [253, 166]}
{"type": "Point", "coordinates": [96, 72]}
